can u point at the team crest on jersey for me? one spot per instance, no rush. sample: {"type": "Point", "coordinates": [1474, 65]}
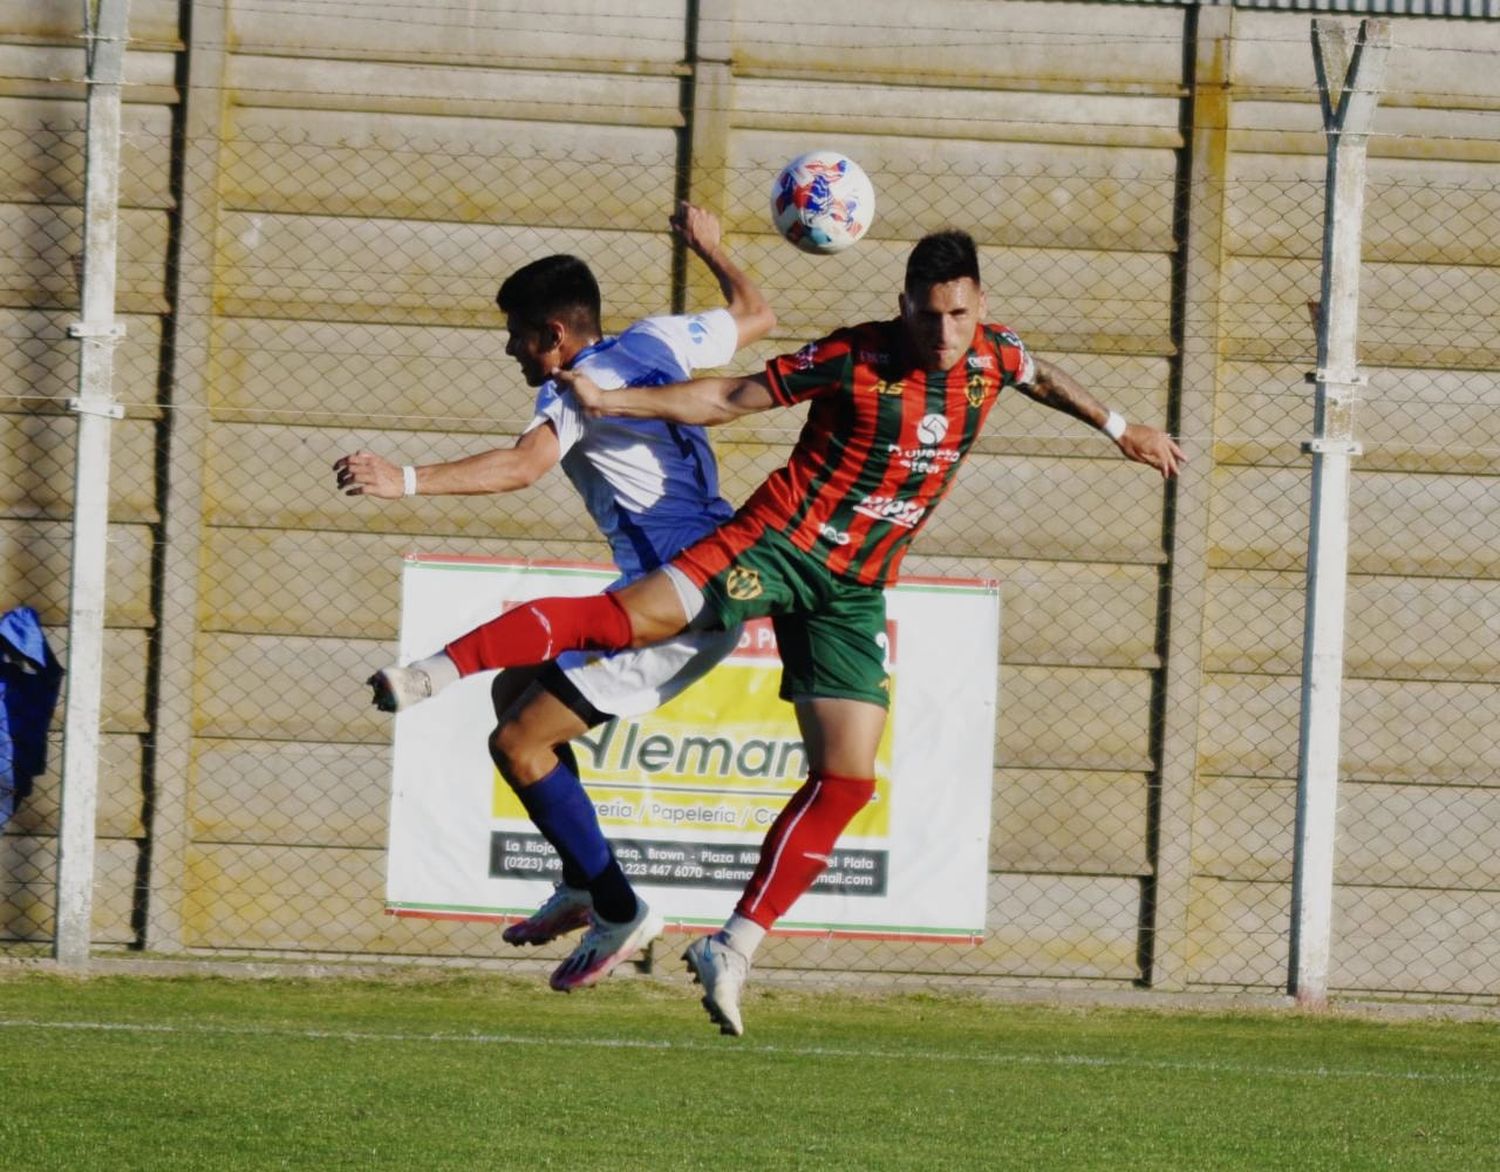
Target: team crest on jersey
{"type": "Point", "coordinates": [975, 389]}
{"type": "Point", "coordinates": [743, 585]}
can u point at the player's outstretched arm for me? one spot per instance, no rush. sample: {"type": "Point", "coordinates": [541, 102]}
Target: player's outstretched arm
{"type": "Point", "coordinates": [1140, 442]}
{"type": "Point", "coordinates": [699, 229]}
{"type": "Point", "coordinates": [700, 401]}
{"type": "Point", "coordinates": [500, 470]}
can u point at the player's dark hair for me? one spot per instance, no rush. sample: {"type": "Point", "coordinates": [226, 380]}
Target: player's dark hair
{"type": "Point", "coordinates": [940, 257]}
{"type": "Point", "coordinates": [553, 288]}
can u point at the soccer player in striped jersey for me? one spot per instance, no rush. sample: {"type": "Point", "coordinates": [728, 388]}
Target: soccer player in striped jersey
{"type": "Point", "coordinates": [894, 407]}
{"type": "Point", "coordinates": [652, 488]}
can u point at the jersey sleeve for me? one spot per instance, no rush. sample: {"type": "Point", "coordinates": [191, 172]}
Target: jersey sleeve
{"type": "Point", "coordinates": [562, 412]}
{"type": "Point", "coordinates": [817, 369]}
{"type": "Point", "coordinates": [697, 340]}
{"type": "Point", "coordinates": [1016, 360]}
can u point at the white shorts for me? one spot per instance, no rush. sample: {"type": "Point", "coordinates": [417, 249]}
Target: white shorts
{"type": "Point", "coordinates": [634, 681]}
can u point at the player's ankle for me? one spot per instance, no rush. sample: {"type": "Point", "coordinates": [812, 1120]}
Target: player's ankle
{"type": "Point", "coordinates": [440, 669]}
{"type": "Point", "coordinates": [741, 934]}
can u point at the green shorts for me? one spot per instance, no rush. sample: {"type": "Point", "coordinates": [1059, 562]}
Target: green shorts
{"type": "Point", "coordinates": [831, 632]}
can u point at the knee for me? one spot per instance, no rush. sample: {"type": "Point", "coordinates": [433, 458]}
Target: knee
{"type": "Point", "coordinates": [849, 795]}
{"type": "Point", "coordinates": [520, 761]}
{"type": "Point", "coordinates": [502, 753]}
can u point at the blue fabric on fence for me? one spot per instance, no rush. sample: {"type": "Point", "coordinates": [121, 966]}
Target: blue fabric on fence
{"type": "Point", "coordinates": [30, 678]}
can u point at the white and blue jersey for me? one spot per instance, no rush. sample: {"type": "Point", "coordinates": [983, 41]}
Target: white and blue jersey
{"type": "Point", "coordinates": [652, 487]}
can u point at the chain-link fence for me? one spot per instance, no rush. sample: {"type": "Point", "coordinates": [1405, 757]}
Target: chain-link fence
{"type": "Point", "coordinates": [310, 246]}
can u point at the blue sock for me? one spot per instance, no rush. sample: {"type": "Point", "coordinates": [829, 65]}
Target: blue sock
{"type": "Point", "coordinates": [570, 873]}
{"type": "Point", "coordinates": [562, 811]}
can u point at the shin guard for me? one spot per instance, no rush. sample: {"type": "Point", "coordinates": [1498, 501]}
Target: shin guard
{"type": "Point", "coordinates": [535, 632]}
{"type": "Point", "coordinates": [798, 845]}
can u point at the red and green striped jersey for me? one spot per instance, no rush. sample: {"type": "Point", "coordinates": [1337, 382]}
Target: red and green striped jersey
{"type": "Point", "coordinates": [882, 441]}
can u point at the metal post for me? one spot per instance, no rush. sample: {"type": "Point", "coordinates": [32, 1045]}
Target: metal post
{"type": "Point", "coordinates": [1350, 64]}
{"type": "Point", "coordinates": [96, 409]}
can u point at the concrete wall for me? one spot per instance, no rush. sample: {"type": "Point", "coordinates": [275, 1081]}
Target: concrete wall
{"type": "Point", "coordinates": [317, 212]}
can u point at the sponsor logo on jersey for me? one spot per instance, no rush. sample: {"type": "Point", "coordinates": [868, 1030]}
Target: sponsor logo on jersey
{"type": "Point", "coordinates": [806, 358]}
{"type": "Point", "coordinates": [981, 362]}
{"type": "Point", "coordinates": [743, 585]}
{"type": "Point", "coordinates": [907, 514]}
{"type": "Point", "coordinates": [923, 459]}
{"type": "Point", "coordinates": [828, 533]}
{"type": "Point", "coordinates": [932, 428]}
{"type": "Point", "coordinates": [874, 357]}
{"type": "Point", "coordinates": [882, 387]}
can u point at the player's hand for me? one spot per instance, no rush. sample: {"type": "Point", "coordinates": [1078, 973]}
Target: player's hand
{"type": "Point", "coordinates": [366, 474]}
{"type": "Point", "coordinates": [1148, 445]}
{"type": "Point", "coordinates": [697, 227]}
{"type": "Point", "coordinates": [589, 394]}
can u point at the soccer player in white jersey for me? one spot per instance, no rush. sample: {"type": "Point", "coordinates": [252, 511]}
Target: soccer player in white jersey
{"type": "Point", "coordinates": [652, 488]}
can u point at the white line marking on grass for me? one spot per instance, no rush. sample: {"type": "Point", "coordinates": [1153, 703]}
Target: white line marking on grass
{"type": "Point", "coordinates": [1084, 1061]}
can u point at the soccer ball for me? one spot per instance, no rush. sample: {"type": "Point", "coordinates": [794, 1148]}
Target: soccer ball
{"type": "Point", "coordinates": [822, 202]}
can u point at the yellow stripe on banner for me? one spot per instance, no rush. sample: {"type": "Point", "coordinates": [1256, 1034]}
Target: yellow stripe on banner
{"type": "Point", "coordinates": [725, 756]}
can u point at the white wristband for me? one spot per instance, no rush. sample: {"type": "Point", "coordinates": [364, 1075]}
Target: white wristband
{"type": "Point", "coordinates": [408, 480]}
{"type": "Point", "coordinates": [1114, 426]}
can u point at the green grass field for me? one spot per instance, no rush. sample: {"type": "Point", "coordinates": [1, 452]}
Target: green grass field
{"type": "Point", "coordinates": [431, 1071]}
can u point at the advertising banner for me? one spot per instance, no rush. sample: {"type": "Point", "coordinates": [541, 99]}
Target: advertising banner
{"type": "Point", "coordinates": [686, 793]}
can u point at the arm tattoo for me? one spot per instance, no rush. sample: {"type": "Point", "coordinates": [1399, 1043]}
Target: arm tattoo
{"type": "Point", "coordinates": [1060, 391]}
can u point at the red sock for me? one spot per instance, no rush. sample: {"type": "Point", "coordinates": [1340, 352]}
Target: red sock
{"type": "Point", "coordinates": [797, 846]}
{"type": "Point", "coordinates": [535, 632]}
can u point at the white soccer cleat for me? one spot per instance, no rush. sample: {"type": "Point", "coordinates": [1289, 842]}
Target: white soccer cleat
{"type": "Point", "coordinates": [722, 972]}
{"type": "Point", "coordinates": [399, 688]}
{"type": "Point", "coordinates": [604, 946]}
{"type": "Point", "coordinates": [565, 910]}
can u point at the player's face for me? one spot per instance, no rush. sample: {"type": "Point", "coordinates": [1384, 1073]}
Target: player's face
{"type": "Point", "coordinates": [941, 320]}
{"type": "Point", "coordinates": [537, 349]}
